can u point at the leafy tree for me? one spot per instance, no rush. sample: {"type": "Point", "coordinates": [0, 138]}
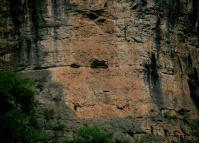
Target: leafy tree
{"type": "Point", "coordinates": [17, 110]}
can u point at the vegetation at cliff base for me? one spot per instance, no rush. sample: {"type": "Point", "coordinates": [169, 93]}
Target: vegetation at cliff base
{"type": "Point", "coordinates": [94, 134]}
{"type": "Point", "coordinates": [17, 110]}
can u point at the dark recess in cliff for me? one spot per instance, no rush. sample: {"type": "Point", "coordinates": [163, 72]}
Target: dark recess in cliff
{"type": "Point", "coordinates": [158, 38]}
{"type": "Point", "coordinates": [25, 44]}
{"type": "Point", "coordinates": [142, 8]}
{"type": "Point", "coordinates": [169, 10]}
{"type": "Point", "coordinates": [95, 63]}
{"type": "Point", "coordinates": [154, 81]}
{"type": "Point", "coordinates": [16, 14]}
{"type": "Point", "coordinates": [34, 6]}
{"type": "Point", "coordinates": [193, 82]}
{"type": "Point", "coordinates": [193, 17]}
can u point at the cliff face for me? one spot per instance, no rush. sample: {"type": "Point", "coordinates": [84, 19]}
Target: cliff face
{"type": "Point", "coordinates": [130, 65]}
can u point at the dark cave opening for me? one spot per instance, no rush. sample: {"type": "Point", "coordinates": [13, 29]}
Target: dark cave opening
{"type": "Point", "coordinates": [95, 63]}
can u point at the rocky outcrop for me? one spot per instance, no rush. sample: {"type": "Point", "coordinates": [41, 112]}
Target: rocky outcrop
{"type": "Point", "coordinates": [129, 65]}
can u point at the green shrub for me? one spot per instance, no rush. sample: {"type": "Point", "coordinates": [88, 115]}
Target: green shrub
{"type": "Point", "coordinates": [92, 134]}
{"type": "Point", "coordinates": [68, 141]}
{"type": "Point", "coordinates": [122, 140]}
{"type": "Point", "coordinates": [17, 109]}
{"type": "Point", "coordinates": [16, 92]}
{"type": "Point", "coordinates": [183, 115]}
{"type": "Point", "coordinates": [48, 113]}
{"type": "Point", "coordinates": [59, 127]}
{"type": "Point", "coordinates": [170, 115]}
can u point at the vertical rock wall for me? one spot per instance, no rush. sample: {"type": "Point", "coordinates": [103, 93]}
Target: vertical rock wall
{"type": "Point", "coordinates": [130, 65]}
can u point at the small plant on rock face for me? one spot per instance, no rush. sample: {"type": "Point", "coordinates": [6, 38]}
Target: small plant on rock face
{"type": "Point", "coordinates": [92, 134]}
{"type": "Point", "coordinates": [68, 141]}
{"type": "Point", "coordinates": [170, 115]}
{"type": "Point", "coordinates": [122, 140]}
{"type": "Point", "coordinates": [183, 115]}
{"type": "Point", "coordinates": [59, 127]}
{"type": "Point", "coordinates": [48, 114]}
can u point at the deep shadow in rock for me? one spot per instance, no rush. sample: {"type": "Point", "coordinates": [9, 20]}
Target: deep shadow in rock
{"type": "Point", "coordinates": [193, 81]}
{"type": "Point", "coordinates": [95, 63]}
{"type": "Point", "coordinates": [154, 82]}
{"type": "Point", "coordinates": [194, 87]}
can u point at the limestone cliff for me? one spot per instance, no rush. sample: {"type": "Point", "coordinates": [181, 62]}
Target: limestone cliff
{"type": "Point", "coordinates": [129, 65]}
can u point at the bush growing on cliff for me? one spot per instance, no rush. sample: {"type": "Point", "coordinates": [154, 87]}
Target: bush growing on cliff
{"type": "Point", "coordinates": [170, 115]}
{"type": "Point", "coordinates": [48, 113]}
{"type": "Point", "coordinates": [17, 109]}
{"type": "Point", "coordinates": [92, 134]}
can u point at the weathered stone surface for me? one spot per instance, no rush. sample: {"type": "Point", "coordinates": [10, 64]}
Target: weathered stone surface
{"type": "Point", "coordinates": [147, 62]}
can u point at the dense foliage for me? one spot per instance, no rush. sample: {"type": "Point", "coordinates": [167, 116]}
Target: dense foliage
{"type": "Point", "coordinates": [93, 134]}
{"type": "Point", "coordinates": [17, 110]}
